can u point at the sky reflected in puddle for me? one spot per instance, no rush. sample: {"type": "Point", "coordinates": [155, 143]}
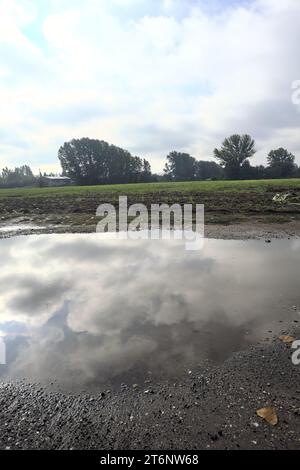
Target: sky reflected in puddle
{"type": "Point", "coordinates": [82, 311]}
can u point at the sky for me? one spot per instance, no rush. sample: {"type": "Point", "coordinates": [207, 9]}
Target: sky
{"type": "Point", "coordinates": [150, 76]}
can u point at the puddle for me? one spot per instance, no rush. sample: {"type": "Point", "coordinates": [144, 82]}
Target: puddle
{"type": "Point", "coordinates": [82, 311]}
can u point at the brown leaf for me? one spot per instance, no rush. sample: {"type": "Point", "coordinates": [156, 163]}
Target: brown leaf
{"type": "Point", "coordinates": [287, 339]}
{"type": "Point", "coordinates": [269, 415]}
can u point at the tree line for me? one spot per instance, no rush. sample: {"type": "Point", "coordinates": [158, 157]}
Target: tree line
{"type": "Point", "coordinates": [234, 163]}
{"type": "Point", "coordinates": [91, 162]}
{"type": "Point", "coordinates": [88, 161]}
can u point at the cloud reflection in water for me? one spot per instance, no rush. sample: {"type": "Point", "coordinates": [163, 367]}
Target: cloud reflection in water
{"type": "Point", "coordinates": [84, 310]}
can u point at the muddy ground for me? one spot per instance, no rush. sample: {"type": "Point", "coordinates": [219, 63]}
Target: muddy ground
{"type": "Point", "coordinates": [208, 408]}
{"type": "Point", "coordinates": [239, 215]}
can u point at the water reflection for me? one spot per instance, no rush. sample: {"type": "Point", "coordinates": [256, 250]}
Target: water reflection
{"type": "Point", "coordinates": [84, 310]}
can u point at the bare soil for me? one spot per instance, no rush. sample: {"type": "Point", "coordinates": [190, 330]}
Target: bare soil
{"type": "Point", "coordinates": [238, 215]}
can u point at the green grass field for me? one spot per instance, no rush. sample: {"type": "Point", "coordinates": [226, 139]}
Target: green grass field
{"type": "Point", "coordinates": [184, 187]}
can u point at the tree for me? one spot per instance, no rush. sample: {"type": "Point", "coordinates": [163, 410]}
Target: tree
{"type": "Point", "coordinates": [146, 172]}
{"type": "Point", "coordinates": [235, 151]}
{"type": "Point", "coordinates": [180, 166]}
{"type": "Point", "coordinates": [19, 177]}
{"type": "Point", "coordinates": [207, 170]}
{"type": "Point", "coordinates": [91, 161]}
{"type": "Point", "coordinates": [281, 163]}
{"type": "Point", "coordinates": [258, 172]}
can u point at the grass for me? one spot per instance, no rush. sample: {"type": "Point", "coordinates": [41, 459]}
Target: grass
{"type": "Point", "coordinates": [182, 187]}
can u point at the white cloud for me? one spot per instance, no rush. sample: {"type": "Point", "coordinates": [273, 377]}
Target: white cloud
{"type": "Point", "coordinates": [148, 76]}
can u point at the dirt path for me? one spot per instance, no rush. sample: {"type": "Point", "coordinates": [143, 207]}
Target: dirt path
{"type": "Point", "coordinates": [253, 228]}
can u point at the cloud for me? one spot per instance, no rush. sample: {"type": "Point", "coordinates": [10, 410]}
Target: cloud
{"type": "Point", "coordinates": [148, 76]}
